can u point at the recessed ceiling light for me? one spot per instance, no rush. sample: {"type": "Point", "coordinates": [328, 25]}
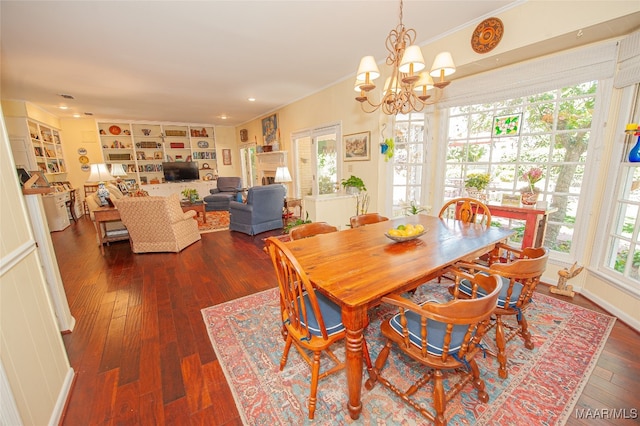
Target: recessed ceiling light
{"type": "Point", "coordinates": [63, 107]}
{"type": "Point", "coordinates": [76, 115]}
{"type": "Point", "coordinates": [224, 117]}
{"type": "Point", "coordinates": [251, 99]}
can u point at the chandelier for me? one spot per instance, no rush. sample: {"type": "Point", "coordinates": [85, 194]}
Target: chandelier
{"type": "Point", "coordinates": [405, 90]}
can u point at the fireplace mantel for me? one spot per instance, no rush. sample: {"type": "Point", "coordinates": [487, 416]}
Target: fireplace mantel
{"type": "Point", "coordinates": [267, 163]}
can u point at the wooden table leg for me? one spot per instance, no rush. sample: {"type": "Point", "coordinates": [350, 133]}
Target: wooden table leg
{"type": "Point", "coordinates": [354, 319]}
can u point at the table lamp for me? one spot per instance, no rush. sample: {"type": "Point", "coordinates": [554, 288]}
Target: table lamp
{"type": "Point", "coordinates": [117, 171]}
{"type": "Point", "coordinates": [100, 173]}
{"type": "Point", "coordinates": [283, 176]}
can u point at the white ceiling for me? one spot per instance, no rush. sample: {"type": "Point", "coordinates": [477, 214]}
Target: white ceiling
{"type": "Point", "coordinates": [194, 61]}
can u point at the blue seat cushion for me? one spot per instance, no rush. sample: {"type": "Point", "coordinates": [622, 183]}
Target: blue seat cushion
{"type": "Point", "coordinates": [465, 287]}
{"type": "Point", "coordinates": [435, 333]}
{"type": "Point", "coordinates": [330, 313]}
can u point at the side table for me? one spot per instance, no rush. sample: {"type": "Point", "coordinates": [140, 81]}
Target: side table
{"type": "Point", "coordinates": [290, 203]}
{"type": "Point", "coordinates": [198, 207]}
{"type": "Point", "coordinates": [103, 215]}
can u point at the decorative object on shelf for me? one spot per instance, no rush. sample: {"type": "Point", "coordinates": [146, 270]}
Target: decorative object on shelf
{"type": "Point", "coordinates": [205, 166]}
{"type": "Point", "coordinates": [270, 131]}
{"type": "Point", "coordinates": [100, 173]}
{"type": "Point", "coordinates": [203, 144]}
{"type": "Point", "coordinates": [353, 185]}
{"type": "Point", "coordinates": [176, 145]}
{"type": "Point", "coordinates": [226, 157]}
{"type": "Point", "coordinates": [405, 90]}
{"type": "Point", "coordinates": [506, 125]}
{"type": "Point", "coordinates": [115, 130]}
{"type": "Point", "coordinates": [208, 176]}
{"type": "Point", "coordinates": [146, 132]}
{"type": "Point", "coordinates": [529, 194]}
{"type": "Point", "coordinates": [267, 148]}
{"type": "Point", "coordinates": [244, 135]}
{"type": "Point", "coordinates": [487, 35]}
{"type": "Point", "coordinates": [564, 275]}
{"type": "Point", "coordinates": [191, 194]}
{"type": "Point", "coordinates": [357, 146]}
{"type": "Point", "coordinates": [180, 133]}
{"type": "Point", "coordinates": [634, 152]}
{"type": "Point", "coordinates": [475, 184]}
{"type": "Point", "coordinates": [199, 133]}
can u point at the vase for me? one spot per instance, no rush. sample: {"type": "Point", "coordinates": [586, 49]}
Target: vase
{"type": "Point", "coordinates": [634, 154]}
{"type": "Point", "coordinates": [529, 198]}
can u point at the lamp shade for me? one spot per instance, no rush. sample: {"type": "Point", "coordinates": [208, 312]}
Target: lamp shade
{"type": "Point", "coordinates": [368, 65]}
{"type": "Point", "coordinates": [443, 62]}
{"type": "Point", "coordinates": [99, 173]}
{"type": "Point", "coordinates": [117, 170]}
{"type": "Point", "coordinates": [412, 56]}
{"type": "Point", "coordinates": [425, 80]}
{"type": "Point", "coordinates": [282, 175]}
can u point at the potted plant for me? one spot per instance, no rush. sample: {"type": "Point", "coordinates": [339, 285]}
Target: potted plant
{"type": "Point", "coordinates": [476, 183]}
{"type": "Point", "coordinates": [191, 194]}
{"type": "Point", "coordinates": [529, 194]}
{"type": "Point", "coordinates": [353, 185]}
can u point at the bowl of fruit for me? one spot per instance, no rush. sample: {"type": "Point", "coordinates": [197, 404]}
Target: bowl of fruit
{"type": "Point", "coordinates": [405, 232]}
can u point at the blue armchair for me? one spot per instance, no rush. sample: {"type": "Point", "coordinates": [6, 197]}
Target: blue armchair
{"type": "Point", "coordinates": [227, 190]}
{"type": "Point", "coordinates": [262, 211]}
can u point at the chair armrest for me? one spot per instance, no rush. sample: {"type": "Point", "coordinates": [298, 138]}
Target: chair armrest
{"type": "Point", "coordinates": [401, 302]}
{"type": "Point", "coordinates": [234, 205]}
{"type": "Point", "coordinates": [190, 214]}
{"type": "Point", "coordinates": [466, 268]}
{"type": "Point", "coordinates": [214, 191]}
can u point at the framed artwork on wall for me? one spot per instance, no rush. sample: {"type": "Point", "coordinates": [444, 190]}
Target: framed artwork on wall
{"type": "Point", "coordinates": [226, 157]}
{"type": "Point", "coordinates": [357, 146]}
{"type": "Point", "coordinates": [270, 129]}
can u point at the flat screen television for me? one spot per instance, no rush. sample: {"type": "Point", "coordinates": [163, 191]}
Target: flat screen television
{"type": "Point", "coordinates": [180, 171]}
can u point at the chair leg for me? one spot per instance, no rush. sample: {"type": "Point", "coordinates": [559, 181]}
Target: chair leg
{"type": "Point", "coordinates": [500, 343]}
{"type": "Point", "coordinates": [380, 361]}
{"type": "Point", "coordinates": [315, 372]}
{"type": "Point", "coordinates": [285, 353]}
{"type": "Point", "coordinates": [524, 332]}
{"type": "Point", "coordinates": [439, 400]}
{"type": "Point", "coordinates": [478, 383]}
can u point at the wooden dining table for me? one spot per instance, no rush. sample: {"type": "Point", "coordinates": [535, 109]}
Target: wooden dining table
{"type": "Point", "coordinates": [357, 267]}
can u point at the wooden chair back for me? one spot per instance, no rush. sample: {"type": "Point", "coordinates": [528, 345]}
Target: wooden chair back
{"type": "Point", "coordinates": [311, 229]}
{"type": "Point", "coordinates": [366, 219]}
{"type": "Point", "coordinates": [440, 336]}
{"type": "Point", "coordinates": [467, 210]}
{"type": "Point", "coordinates": [71, 204]}
{"type": "Point", "coordinates": [89, 188]}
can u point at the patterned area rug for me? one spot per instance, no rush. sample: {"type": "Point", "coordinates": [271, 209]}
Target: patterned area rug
{"type": "Point", "coordinates": [215, 221]}
{"type": "Point", "coordinates": [542, 388]}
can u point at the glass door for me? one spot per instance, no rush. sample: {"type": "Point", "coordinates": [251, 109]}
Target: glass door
{"type": "Point", "coordinates": [248, 162]}
{"type": "Point", "coordinates": [317, 166]}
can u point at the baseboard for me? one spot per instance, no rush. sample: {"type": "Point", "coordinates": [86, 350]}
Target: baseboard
{"type": "Point", "coordinates": [622, 316]}
{"type": "Point", "coordinates": [61, 404]}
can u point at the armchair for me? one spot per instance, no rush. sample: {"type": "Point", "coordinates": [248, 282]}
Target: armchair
{"type": "Point", "coordinates": [227, 190]}
{"type": "Point", "coordinates": [262, 212]}
{"type": "Point", "coordinates": [158, 224]}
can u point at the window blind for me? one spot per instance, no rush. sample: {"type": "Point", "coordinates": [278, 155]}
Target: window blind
{"type": "Point", "coordinates": [628, 62]}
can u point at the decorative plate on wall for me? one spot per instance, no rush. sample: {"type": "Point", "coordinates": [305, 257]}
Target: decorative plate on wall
{"type": "Point", "coordinates": [82, 151]}
{"type": "Point", "coordinates": [115, 130]}
{"type": "Point", "coordinates": [487, 35]}
{"type": "Point", "coordinates": [83, 159]}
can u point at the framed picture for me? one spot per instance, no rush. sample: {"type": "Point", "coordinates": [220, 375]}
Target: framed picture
{"type": "Point", "coordinates": [270, 129]}
{"type": "Point", "coordinates": [226, 157]}
{"type": "Point", "coordinates": [506, 125]}
{"type": "Point", "coordinates": [357, 146]}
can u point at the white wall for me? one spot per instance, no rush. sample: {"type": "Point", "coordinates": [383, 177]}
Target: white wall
{"type": "Point", "coordinates": [31, 348]}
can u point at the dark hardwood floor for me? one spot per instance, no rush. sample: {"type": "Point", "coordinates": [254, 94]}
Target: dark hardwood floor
{"type": "Point", "coordinates": [141, 352]}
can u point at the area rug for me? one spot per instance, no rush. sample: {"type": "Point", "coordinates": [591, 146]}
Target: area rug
{"type": "Point", "coordinates": [215, 221]}
{"type": "Point", "coordinates": [542, 388]}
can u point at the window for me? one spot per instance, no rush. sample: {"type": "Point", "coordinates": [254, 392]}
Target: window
{"type": "Point", "coordinates": [622, 249]}
{"type": "Point", "coordinates": [317, 167]}
{"type": "Point", "coordinates": [408, 161]}
{"type": "Point", "coordinates": [554, 134]}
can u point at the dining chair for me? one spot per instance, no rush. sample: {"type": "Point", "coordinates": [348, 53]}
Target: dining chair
{"type": "Point", "coordinates": [520, 271]}
{"type": "Point", "coordinates": [311, 229]}
{"type": "Point", "coordinates": [71, 204]}
{"type": "Point", "coordinates": [443, 338]}
{"type": "Point", "coordinates": [89, 188]}
{"type": "Point", "coordinates": [366, 219]}
{"type": "Point", "coordinates": [313, 322]}
{"type": "Point", "coordinates": [467, 210]}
